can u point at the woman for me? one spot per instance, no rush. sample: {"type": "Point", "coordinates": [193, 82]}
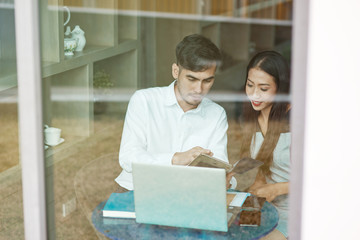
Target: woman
{"type": "Point", "coordinates": [266, 135]}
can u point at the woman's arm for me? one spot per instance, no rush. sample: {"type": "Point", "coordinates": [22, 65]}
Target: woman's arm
{"type": "Point", "coordinates": [268, 190]}
{"type": "Point", "coordinates": [259, 181]}
{"type": "Point", "coordinates": [271, 190]}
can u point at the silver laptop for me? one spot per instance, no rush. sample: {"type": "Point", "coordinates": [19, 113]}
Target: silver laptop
{"type": "Point", "coordinates": [180, 196]}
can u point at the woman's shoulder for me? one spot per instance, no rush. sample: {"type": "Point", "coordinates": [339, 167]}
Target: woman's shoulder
{"type": "Point", "coordinates": [288, 108]}
{"type": "Point", "coordinates": [288, 112]}
{"type": "Point", "coordinates": [286, 126]}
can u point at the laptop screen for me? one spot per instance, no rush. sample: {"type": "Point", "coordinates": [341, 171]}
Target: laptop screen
{"type": "Point", "coordinates": [180, 196]}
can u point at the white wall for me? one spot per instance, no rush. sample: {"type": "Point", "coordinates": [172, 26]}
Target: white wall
{"type": "Point", "coordinates": [330, 203]}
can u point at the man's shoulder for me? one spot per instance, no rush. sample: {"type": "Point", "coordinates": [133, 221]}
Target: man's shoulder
{"type": "Point", "coordinates": [151, 91]}
{"type": "Point", "coordinates": [212, 106]}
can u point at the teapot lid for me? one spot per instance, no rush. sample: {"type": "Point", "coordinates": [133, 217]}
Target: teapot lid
{"type": "Point", "coordinates": [77, 29]}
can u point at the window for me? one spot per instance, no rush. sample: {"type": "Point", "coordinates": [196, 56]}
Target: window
{"type": "Point", "coordinates": [130, 46]}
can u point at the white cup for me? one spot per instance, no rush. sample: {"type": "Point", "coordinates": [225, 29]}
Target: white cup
{"type": "Point", "coordinates": [52, 135]}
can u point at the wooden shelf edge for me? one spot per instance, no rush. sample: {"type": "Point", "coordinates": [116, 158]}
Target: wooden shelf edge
{"type": "Point", "coordinates": [91, 54]}
{"type": "Point", "coordinates": [7, 82]}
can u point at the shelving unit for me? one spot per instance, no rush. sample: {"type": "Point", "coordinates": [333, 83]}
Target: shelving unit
{"type": "Point", "coordinates": [112, 43]}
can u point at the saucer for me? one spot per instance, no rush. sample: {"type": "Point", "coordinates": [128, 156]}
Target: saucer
{"type": "Point", "coordinates": [61, 140]}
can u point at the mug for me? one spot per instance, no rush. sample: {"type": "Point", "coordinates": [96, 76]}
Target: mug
{"type": "Point", "coordinates": [52, 135]}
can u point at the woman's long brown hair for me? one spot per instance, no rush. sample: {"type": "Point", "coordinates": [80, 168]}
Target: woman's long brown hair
{"type": "Point", "coordinates": [275, 65]}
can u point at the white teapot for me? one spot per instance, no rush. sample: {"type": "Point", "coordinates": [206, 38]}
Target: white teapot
{"type": "Point", "coordinates": [79, 35]}
{"type": "Point", "coordinates": [68, 15]}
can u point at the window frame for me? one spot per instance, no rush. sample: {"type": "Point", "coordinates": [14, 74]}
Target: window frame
{"type": "Point", "coordinates": [31, 122]}
{"type": "Point", "coordinates": [27, 29]}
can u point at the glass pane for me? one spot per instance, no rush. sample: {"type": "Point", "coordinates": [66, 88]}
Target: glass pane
{"type": "Point", "coordinates": [11, 209]}
{"type": "Point", "coordinates": [96, 54]}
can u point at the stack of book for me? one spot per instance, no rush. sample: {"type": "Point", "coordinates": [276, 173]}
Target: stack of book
{"type": "Point", "coordinates": [120, 205]}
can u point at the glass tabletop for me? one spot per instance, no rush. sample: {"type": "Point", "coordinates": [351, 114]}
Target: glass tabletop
{"type": "Point", "coordinates": [117, 228]}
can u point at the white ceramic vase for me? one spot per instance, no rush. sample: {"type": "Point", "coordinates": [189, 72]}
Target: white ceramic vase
{"type": "Point", "coordinates": [69, 46]}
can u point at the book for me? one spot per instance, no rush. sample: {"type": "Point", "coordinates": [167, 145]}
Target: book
{"type": "Point", "coordinates": [236, 199]}
{"type": "Point", "coordinates": [241, 166]}
{"type": "Point", "coordinates": [120, 205]}
{"type": "Point", "coordinates": [251, 212]}
{"type": "Point", "coordinates": [234, 202]}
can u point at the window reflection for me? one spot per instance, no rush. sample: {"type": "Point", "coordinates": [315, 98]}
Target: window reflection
{"type": "Point", "coordinates": [129, 45]}
{"type": "Point", "coordinates": [11, 209]}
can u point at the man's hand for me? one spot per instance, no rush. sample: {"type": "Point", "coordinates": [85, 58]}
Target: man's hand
{"type": "Point", "coordinates": [184, 158]}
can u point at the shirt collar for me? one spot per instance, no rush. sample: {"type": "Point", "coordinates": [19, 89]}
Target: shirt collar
{"type": "Point", "coordinates": [170, 95]}
{"type": "Point", "coordinates": [171, 100]}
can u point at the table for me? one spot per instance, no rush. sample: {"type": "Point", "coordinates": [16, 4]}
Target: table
{"type": "Point", "coordinates": [117, 228]}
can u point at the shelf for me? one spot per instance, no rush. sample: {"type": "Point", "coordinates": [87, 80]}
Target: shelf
{"type": "Point", "coordinates": [205, 18]}
{"type": "Point", "coordinates": [91, 53]}
{"type": "Point", "coordinates": [111, 44]}
{"type": "Point", "coordinates": [127, 28]}
{"type": "Point", "coordinates": [121, 68]}
{"type": "Point", "coordinates": [74, 118]}
{"type": "Point", "coordinates": [226, 17]}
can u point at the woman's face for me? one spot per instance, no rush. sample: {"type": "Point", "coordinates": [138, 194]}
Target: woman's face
{"type": "Point", "coordinates": [260, 89]}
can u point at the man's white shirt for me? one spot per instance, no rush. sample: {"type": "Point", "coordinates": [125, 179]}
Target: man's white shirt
{"type": "Point", "coordinates": [156, 128]}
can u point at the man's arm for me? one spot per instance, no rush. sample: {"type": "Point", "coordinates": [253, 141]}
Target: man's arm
{"type": "Point", "coordinates": [220, 147]}
{"type": "Point", "coordinates": [218, 143]}
{"type": "Point", "coordinates": [133, 147]}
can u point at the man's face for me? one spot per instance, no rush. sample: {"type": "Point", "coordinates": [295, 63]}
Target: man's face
{"type": "Point", "coordinates": [191, 87]}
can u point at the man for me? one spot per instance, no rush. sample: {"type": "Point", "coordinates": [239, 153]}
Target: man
{"type": "Point", "coordinates": [175, 124]}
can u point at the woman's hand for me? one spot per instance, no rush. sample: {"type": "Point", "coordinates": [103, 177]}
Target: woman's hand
{"type": "Point", "coordinates": [267, 191]}
{"type": "Point", "coordinates": [228, 179]}
{"type": "Point", "coordinates": [271, 191]}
